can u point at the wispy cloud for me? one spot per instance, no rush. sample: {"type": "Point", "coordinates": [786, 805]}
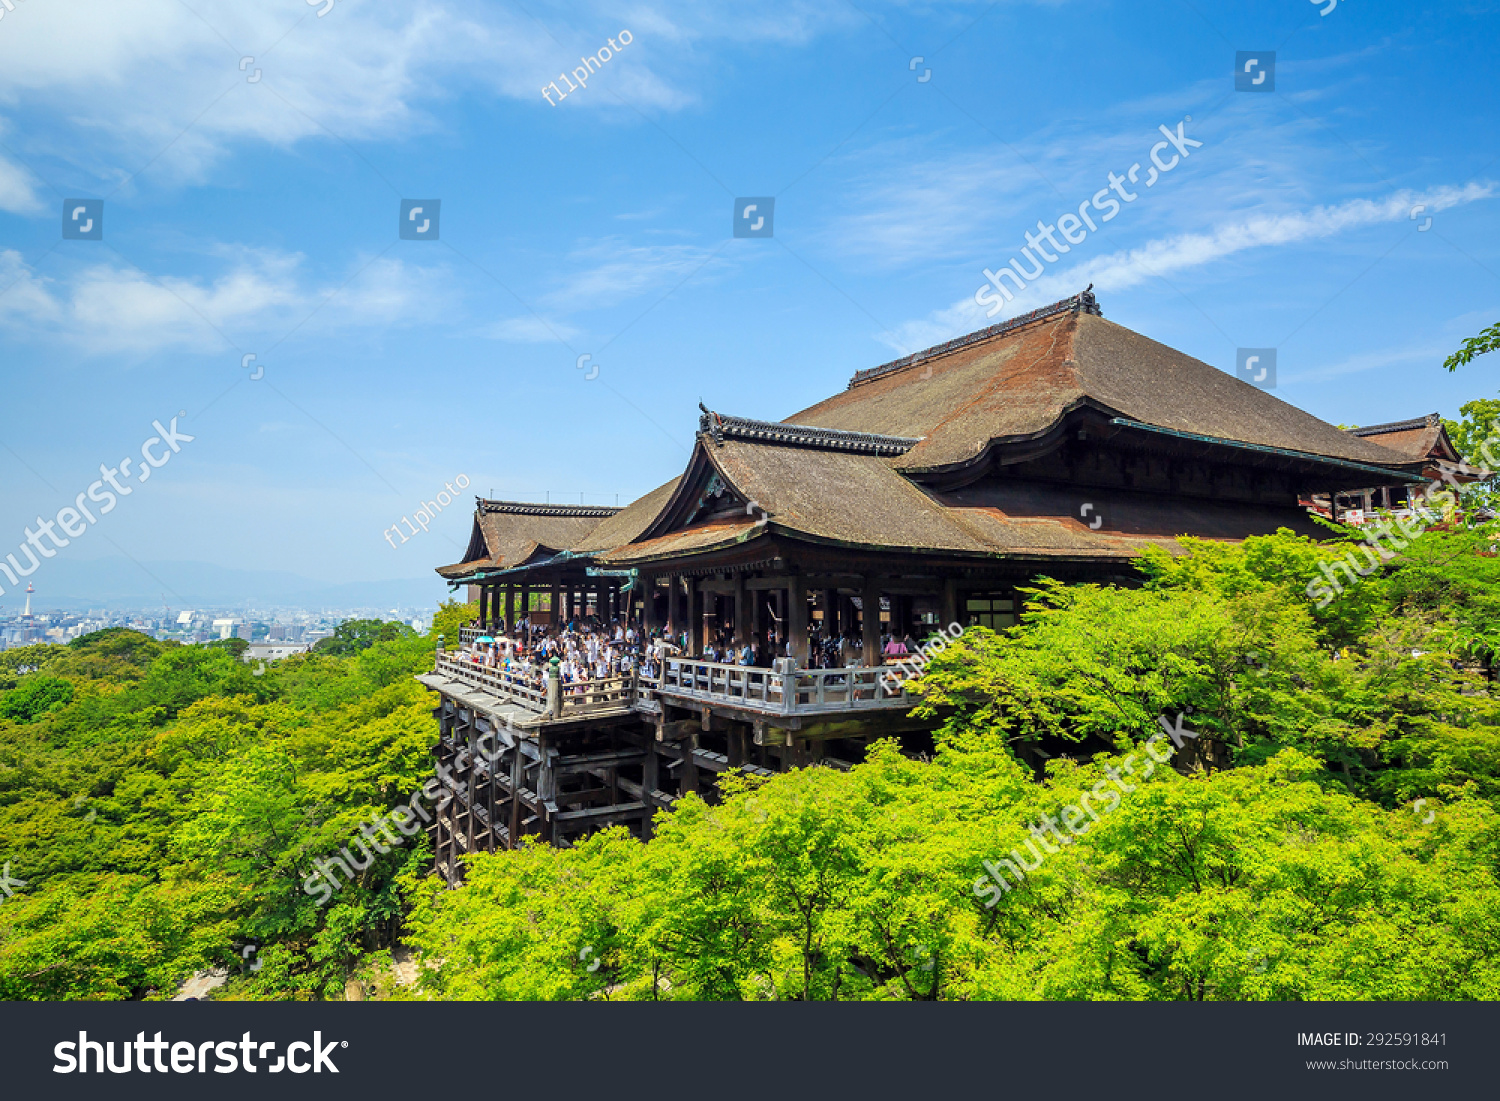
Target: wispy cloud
{"type": "Point", "coordinates": [611, 271]}
{"type": "Point", "coordinates": [1182, 252]}
{"type": "Point", "coordinates": [529, 330]}
{"type": "Point", "coordinates": [18, 193]}
{"type": "Point", "coordinates": [159, 81]}
{"type": "Point", "coordinates": [111, 309]}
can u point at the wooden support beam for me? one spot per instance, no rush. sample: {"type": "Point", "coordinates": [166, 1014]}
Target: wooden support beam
{"type": "Point", "coordinates": [649, 781]}
{"type": "Point", "coordinates": [695, 619]}
{"type": "Point", "coordinates": [870, 622]}
{"type": "Point", "coordinates": [796, 631]}
{"type": "Point", "coordinates": [618, 813]}
{"type": "Point", "coordinates": [741, 612]}
{"type": "Point", "coordinates": [580, 761]}
{"type": "Point", "coordinates": [648, 613]}
{"type": "Point", "coordinates": [949, 612]}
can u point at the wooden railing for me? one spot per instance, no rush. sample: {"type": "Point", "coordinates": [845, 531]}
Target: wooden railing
{"type": "Point", "coordinates": [512, 686]}
{"type": "Point", "coordinates": [573, 700]}
{"type": "Point", "coordinates": [748, 687]}
{"type": "Point", "coordinates": [766, 690]}
{"type": "Point", "coordinates": [592, 696]}
{"type": "Point", "coordinates": [467, 635]}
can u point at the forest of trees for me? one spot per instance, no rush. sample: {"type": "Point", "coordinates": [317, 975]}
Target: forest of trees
{"type": "Point", "coordinates": [1330, 833]}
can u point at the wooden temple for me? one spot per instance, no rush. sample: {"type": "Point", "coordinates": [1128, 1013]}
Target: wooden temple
{"type": "Point", "coordinates": [923, 494]}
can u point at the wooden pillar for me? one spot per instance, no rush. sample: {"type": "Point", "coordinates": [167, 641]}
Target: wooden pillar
{"type": "Point", "coordinates": [695, 618]}
{"type": "Point", "coordinates": [555, 605]}
{"type": "Point", "coordinates": [796, 618]}
{"type": "Point", "coordinates": [648, 611]}
{"type": "Point", "coordinates": [689, 763]}
{"type": "Point", "coordinates": [546, 783]}
{"type": "Point", "coordinates": [517, 782]}
{"type": "Point", "coordinates": [830, 613]}
{"type": "Point", "coordinates": [674, 604]}
{"type": "Point", "coordinates": [757, 618]}
{"type": "Point", "coordinates": [948, 614]}
{"type": "Point", "coordinates": [649, 783]}
{"type": "Point", "coordinates": [741, 611]}
{"type": "Point", "coordinates": [510, 607]}
{"type": "Point", "coordinates": [870, 623]}
{"type": "Point", "coordinates": [525, 599]}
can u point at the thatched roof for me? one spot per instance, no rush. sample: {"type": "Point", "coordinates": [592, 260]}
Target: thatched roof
{"type": "Point", "coordinates": [1418, 438]}
{"type": "Point", "coordinates": [508, 533]}
{"type": "Point", "coordinates": [1019, 383]}
{"type": "Point", "coordinates": [843, 471]}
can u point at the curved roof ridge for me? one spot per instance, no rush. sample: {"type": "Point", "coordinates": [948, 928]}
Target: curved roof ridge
{"type": "Point", "coordinates": [532, 508]}
{"type": "Point", "coordinates": [1428, 421]}
{"type": "Point", "coordinates": [720, 427]}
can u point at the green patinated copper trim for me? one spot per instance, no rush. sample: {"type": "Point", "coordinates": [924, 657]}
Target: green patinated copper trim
{"type": "Point", "coordinates": [1324, 460]}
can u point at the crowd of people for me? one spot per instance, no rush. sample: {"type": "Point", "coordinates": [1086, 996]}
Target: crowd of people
{"type": "Point", "coordinates": [591, 649]}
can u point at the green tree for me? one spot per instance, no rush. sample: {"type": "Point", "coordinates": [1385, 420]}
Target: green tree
{"type": "Point", "coordinates": [34, 696]}
{"type": "Point", "coordinates": [1486, 341]}
{"type": "Point", "coordinates": [451, 615]}
{"type": "Point", "coordinates": [354, 635]}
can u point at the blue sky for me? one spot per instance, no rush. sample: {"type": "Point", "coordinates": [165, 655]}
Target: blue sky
{"type": "Point", "coordinates": [259, 216]}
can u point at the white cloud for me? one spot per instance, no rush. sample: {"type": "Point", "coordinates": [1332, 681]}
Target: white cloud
{"type": "Point", "coordinates": [110, 87]}
{"type": "Point", "coordinates": [110, 309]}
{"type": "Point", "coordinates": [614, 272]}
{"type": "Point", "coordinates": [1182, 252]}
{"type": "Point", "coordinates": [17, 191]}
{"type": "Point", "coordinates": [529, 330]}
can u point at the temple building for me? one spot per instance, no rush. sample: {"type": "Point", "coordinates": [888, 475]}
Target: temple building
{"type": "Point", "coordinates": [923, 494]}
{"type": "Point", "coordinates": [1423, 439]}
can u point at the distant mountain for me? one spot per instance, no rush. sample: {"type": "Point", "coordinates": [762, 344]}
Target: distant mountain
{"type": "Point", "coordinates": [117, 582]}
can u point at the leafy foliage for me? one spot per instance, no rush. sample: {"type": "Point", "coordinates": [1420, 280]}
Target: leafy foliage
{"type": "Point", "coordinates": [355, 635]}
{"type": "Point", "coordinates": [163, 806]}
{"type": "Point", "coordinates": [1329, 828]}
{"type": "Point", "coordinates": [1486, 341]}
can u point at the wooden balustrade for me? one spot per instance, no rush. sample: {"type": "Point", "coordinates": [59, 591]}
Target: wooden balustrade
{"type": "Point", "coordinates": [767, 690]}
{"type": "Point", "coordinates": [748, 687]}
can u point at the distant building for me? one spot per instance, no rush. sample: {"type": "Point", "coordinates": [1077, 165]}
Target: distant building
{"type": "Point", "coordinates": [244, 631]}
{"type": "Point", "coordinates": [1421, 439]}
{"type": "Point", "coordinates": [265, 651]}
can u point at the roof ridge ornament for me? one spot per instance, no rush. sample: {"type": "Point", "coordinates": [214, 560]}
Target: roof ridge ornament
{"type": "Point", "coordinates": [710, 423]}
{"type": "Point", "coordinates": [1083, 302]}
